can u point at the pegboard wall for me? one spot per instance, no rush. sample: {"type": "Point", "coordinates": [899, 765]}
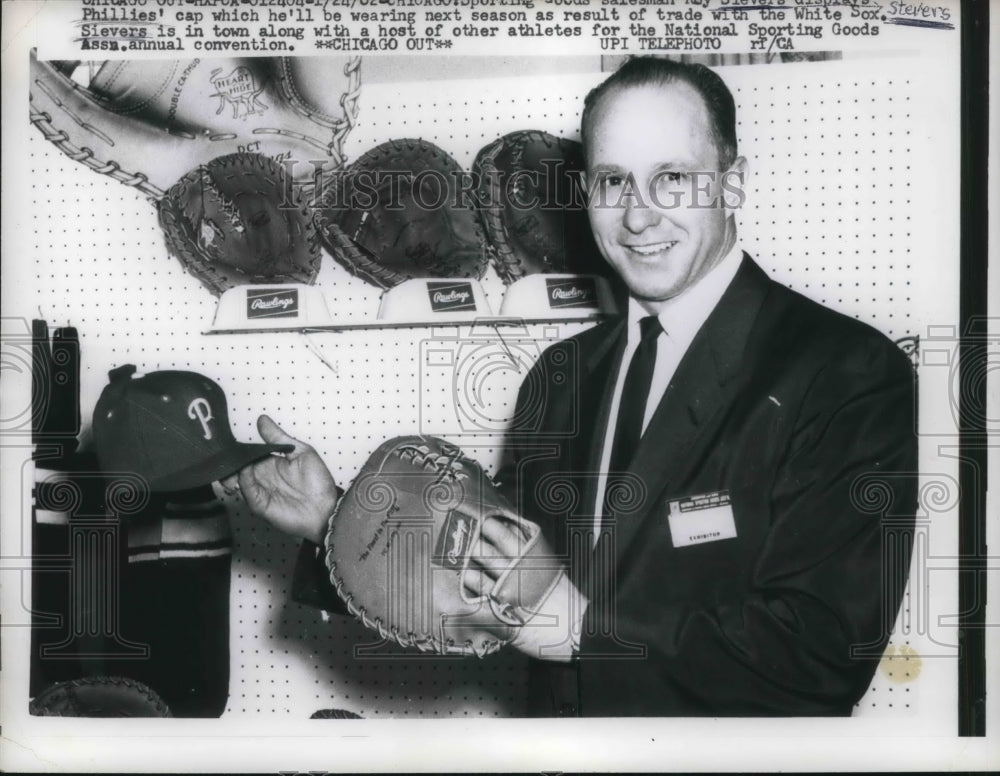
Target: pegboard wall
{"type": "Point", "coordinates": [836, 208]}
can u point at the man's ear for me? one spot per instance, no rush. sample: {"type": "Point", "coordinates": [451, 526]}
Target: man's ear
{"type": "Point", "coordinates": [734, 182]}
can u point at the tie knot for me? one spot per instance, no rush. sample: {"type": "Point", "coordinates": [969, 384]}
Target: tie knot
{"type": "Point", "coordinates": [650, 328]}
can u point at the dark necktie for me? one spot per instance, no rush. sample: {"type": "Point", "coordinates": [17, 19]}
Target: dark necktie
{"type": "Point", "coordinates": [635, 392]}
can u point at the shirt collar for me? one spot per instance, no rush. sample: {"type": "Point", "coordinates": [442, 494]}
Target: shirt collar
{"type": "Point", "coordinates": [683, 315]}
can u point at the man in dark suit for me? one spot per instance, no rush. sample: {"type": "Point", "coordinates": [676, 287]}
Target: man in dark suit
{"type": "Point", "coordinates": [721, 443]}
{"type": "Point", "coordinates": [713, 469]}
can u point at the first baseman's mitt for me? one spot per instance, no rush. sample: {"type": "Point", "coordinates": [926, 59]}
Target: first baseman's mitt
{"type": "Point", "coordinates": [234, 221]}
{"type": "Point", "coordinates": [401, 211]}
{"type": "Point", "coordinates": [400, 542]}
{"type": "Point", "coordinates": [98, 696]}
{"type": "Point", "coordinates": [534, 206]}
{"type": "Point", "coordinates": [147, 122]}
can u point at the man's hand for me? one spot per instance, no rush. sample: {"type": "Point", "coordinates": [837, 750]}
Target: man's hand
{"type": "Point", "coordinates": [295, 493]}
{"type": "Point", "coordinates": [553, 630]}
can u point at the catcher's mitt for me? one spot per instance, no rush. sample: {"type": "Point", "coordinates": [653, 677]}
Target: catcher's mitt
{"type": "Point", "coordinates": [234, 221]}
{"type": "Point", "coordinates": [147, 122]}
{"type": "Point", "coordinates": [99, 696]}
{"type": "Point", "coordinates": [401, 211]}
{"type": "Point", "coordinates": [532, 201]}
{"type": "Point", "coordinates": [399, 547]}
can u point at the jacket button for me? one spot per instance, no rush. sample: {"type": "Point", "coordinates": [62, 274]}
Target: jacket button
{"type": "Point", "coordinates": [567, 710]}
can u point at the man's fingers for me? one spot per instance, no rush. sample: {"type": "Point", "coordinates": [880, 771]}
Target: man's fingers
{"type": "Point", "coordinates": [256, 491]}
{"type": "Point", "coordinates": [504, 535]}
{"type": "Point", "coordinates": [476, 582]}
{"type": "Point", "coordinates": [490, 558]}
{"type": "Point", "coordinates": [273, 434]}
{"type": "Point", "coordinates": [230, 484]}
{"type": "Point", "coordinates": [500, 542]}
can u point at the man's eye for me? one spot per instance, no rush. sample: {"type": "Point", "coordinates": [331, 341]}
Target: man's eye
{"type": "Point", "coordinates": [613, 181]}
{"type": "Point", "coordinates": [672, 177]}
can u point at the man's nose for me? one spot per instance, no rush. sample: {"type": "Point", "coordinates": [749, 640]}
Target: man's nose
{"type": "Point", "coordinates": [639, 216]}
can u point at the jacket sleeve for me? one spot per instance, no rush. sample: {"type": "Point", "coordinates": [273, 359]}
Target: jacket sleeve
{"type": "Point", "coordinates": [803, 635]}
{"type": "Point", "coordinates": [311, 584]}
{"type": "Point", "coordinates": [311, 581]}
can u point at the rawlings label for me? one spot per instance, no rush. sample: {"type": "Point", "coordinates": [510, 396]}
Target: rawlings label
{"type": "Point", "coordinates": [453, 543]}
{"type": "Point", "coordinates": [449, 297]}
{"type": "Point", "coordinates": [574, 292]}
{"type": "Point", "coordinates": [273, 303]}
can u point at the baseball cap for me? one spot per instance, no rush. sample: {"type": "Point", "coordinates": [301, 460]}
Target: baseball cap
{"type": "Point", "coordinates": [171, 428]}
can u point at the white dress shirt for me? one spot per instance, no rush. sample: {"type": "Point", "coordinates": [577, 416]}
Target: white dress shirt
{"type": "Point", "coordinates": [681, 318]}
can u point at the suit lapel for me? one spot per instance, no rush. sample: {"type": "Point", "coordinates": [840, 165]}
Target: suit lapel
{"type": "Point", "coordinates": [597, 382]}
{"type": "Point", "coordinates": [704, 383]}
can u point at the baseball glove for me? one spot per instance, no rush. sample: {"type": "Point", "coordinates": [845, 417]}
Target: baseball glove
{"type": "Point", "coordinates": [185, 132]}
{"type": "Point", "coordinates": [147, 122]}
{"type": "Point", "coordinates": [98, 696]}
{"type": "Point", "coordinates": [533, 204]}
{"type": "Point", "coordinates": [400, 542]}
{"type": "Point", "coordinates": [234, 221]}
{"type": "Point", "coordinates": [399, 212]}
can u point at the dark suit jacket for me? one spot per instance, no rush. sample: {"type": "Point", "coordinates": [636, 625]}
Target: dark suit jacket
{"type": "Point", "coordinates": [805, 418]}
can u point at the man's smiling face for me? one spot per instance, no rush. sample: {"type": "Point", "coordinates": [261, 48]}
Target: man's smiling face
{"type": "Point", "coordinates": [657, 207]}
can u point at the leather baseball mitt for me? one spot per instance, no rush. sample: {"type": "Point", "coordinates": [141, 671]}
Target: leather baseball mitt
{"type": "Point", "coordinates": [147, 122]}
{"type": "Point", "coordinates": [401, 211]}
{"type": "Point", "coordinates": [212, 141]}
{"type": "Point", "coordinates": [400, 544]}
{"type": "Point", "coordinates": [234, 221]}
{"type": "Point", "coordinates": [98, 696]}
{"type": "Point", "coordinates": [533, 204]}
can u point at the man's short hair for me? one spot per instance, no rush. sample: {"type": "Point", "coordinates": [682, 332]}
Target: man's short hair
{"type": "Point", "coordinates": [656, 71]}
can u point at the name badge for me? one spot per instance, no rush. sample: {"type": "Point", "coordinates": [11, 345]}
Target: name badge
{"type": "Point", "coordinates": [701, 519]}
